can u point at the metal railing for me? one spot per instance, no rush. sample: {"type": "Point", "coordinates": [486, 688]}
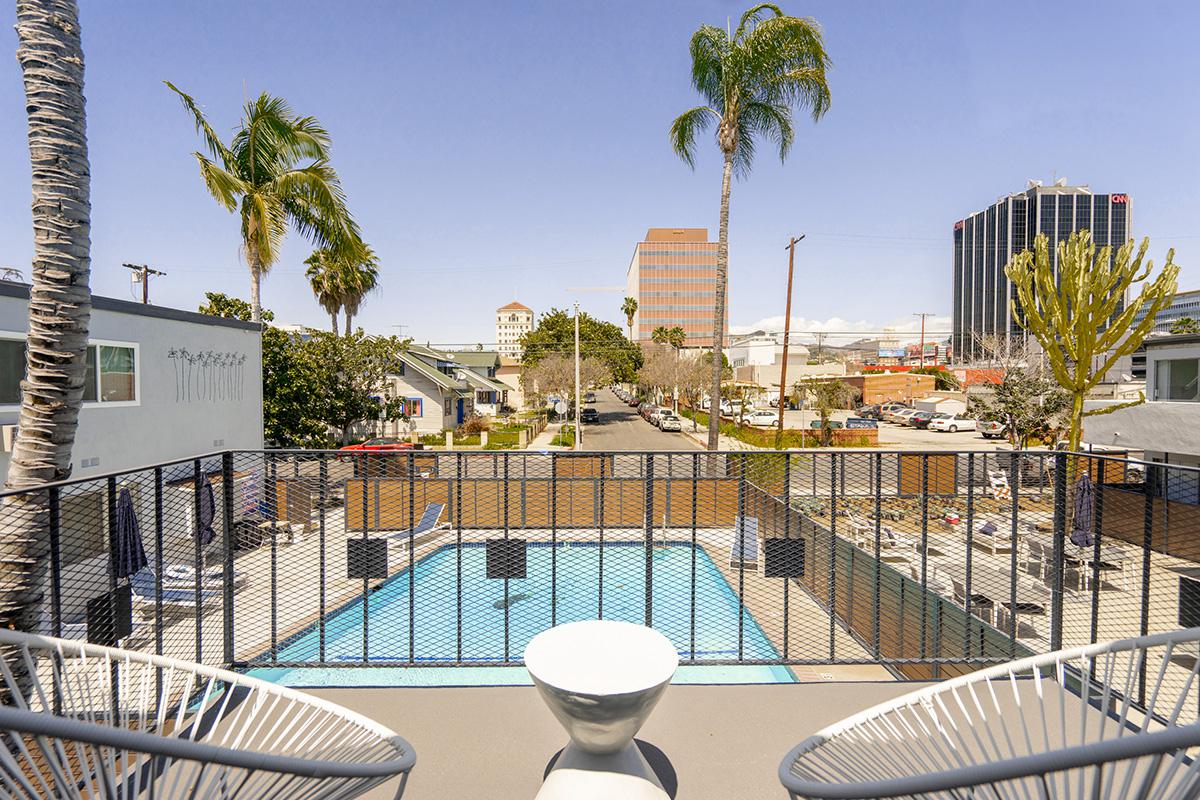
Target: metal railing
{"type": "Point", "coordinates": [930, 564]}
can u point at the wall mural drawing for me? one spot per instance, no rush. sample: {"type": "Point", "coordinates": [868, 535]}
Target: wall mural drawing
{"type": "Point", "coordinates": [207, 375]}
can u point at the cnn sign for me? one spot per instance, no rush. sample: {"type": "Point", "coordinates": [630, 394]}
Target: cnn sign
{"type": "Point", "coordinates": [1120, 198]}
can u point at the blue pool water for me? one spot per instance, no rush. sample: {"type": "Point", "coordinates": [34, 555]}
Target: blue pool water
{"type": "Point", "coordinates": [578, 596]}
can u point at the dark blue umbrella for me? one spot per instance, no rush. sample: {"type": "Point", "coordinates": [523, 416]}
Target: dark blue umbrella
{"type": "Point", "coordinates": [1081, 527]}
{"type": "Point", "coordinates": [130, 554]}
{"type": "Point", "coordinates": [208, 511]}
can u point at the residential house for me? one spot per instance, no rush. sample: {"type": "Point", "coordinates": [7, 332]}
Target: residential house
{"type": "Point", "coordinates": [440, 390]}
{"type": "Point", "coordinates": [509, 374]}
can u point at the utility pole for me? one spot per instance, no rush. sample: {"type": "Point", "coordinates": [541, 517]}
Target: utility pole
{"type": "Point", "coordinates": [820, 340]}
{"type": "Point", "coordinates": [146, 273]}
{"type": "Point", "coordinates": [787, 329]}
{"type": "Point", "coordinates": [923, 315]}
{"type": "Point", "coordinates": [578, 430]}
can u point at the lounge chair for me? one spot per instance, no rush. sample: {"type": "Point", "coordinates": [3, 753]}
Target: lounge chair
{"type": "Point", "coordinates": [994, 535]}
{"type": "Point", "coordinates": [744, 553]}
{"type": "Point", "coordinates": [430, 521]}
{"type": "Point", "coordinates": [183, 576]}
{"type": "Point", "coordinates": [174, 597]}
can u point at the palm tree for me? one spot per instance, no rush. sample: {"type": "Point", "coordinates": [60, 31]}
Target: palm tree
{"type": "Point", "coordinates": [261, 175]}
{"type": "Point", "coordinates": [629, 308]}
{"type": "Point", "coordinates": [341, 283]}
{"type": "Point", "coordinates": [674, 337]}
{"type": "Point", "coordinates": [750, 81]}
{"type": "Point", "coordinates": [60, 301]}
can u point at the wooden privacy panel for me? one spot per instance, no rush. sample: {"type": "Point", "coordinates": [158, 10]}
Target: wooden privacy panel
{"type": "Point", "coordinates": [1173, 525]}
{"type": "Point", "coordinates": [942, 474]}
{"type": "Point", "coordinates": [570, 465]}
{"type": "Point", "coordinates": [576, 502]}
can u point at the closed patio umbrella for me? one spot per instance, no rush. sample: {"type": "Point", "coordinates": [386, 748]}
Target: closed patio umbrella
{"type": "Point", "coordinates": [130, 553]}
{"type": "Point", "coordinates": [1081, 527]}
{"type": "Point", "coordinates": [208, 511]}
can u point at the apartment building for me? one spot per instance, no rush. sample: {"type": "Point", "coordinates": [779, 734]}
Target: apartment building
{"type": "Point", "coordinates": [512, 322]}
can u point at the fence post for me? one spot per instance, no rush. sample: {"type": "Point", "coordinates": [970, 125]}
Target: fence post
{"type": "Point", "coordinates": [648, 460]}
{"type": "Point", "coordinates": [1014, 481]}
{"type": "Point", "coordinates": [739, 537]}
{"type": "Point", "coordinates": [1151, 488]}
{"type": "Point", "coordinates": [323, 499]}
{"type": "Point", "coordinates": [554, 544]}
{"type": "Point", "coordinates": [158, 568]}
{"type": "Point", "coordinates": [787, 534]}
{"type": "Point", "coordinates": [833, 484]}
{"type": "Point", "coordinates": [197, 536]}
{"type": "Point", "coordinates": [227, 545]}
{"type": "Point", "coordinates": [56, 565]}
{"type": "Point", "coordinates": [412, 579]}
{"type": "Point", "coordinates": [1060, 531]}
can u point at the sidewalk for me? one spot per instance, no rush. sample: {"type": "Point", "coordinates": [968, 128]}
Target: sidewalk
{"type": "Point", "coordinates": [543, 439]}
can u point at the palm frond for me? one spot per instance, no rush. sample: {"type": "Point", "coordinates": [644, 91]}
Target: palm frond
{"type": "Point", "coordinates": [774, 121]}
{"type": "Point", "coordinates": [313, 199]}
{"type": "Point", "coordinates": [788, 63]}
{"type": "Point", "coordinates": [709, 48]}
{"type": "Point", "coordinates": [224, 186]}
{"type": "Point", "coordinates": [264, 224]}
{"type": "Point", "coordinates": [754, 16]}
{"type": "Point", "coordinates": [211, 140]}
{"type": "Point", "coordinates": [684, 130]}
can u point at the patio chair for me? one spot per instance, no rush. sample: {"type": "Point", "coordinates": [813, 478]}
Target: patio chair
{"type": "Point", "coordinates": [1114, 719]}
{"type": "Point", "coordinates": [84, 721]}
{"type": "Point", "coordinates": [430, 521]}
{"type": "Point", "coordinates": [744, 552]}
{"type": "Point", "coordinates": [174, 598]}
{"type": "Point", "coordinates": [994, 534]}
{"type": "Point", "coordinates": [183, 576]}
{"type": "Point", "coordinates": [979, 602]}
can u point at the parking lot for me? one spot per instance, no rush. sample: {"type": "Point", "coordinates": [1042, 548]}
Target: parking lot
{"type": "Point", "coordinates": [902, 437]}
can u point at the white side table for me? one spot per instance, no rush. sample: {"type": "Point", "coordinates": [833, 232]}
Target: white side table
{"type": "Point", "coordinates": [601, 680]}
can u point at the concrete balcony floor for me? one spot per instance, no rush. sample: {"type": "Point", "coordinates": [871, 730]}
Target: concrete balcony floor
{"type": "Point", "coordinates": [724, 742]}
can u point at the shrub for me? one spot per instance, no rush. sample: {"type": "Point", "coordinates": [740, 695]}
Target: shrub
{"type": "Point", "coordinates": [474, 424]}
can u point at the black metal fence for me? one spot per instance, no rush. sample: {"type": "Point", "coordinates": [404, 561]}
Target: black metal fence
{"type": "Point", "coordinates": [929, 564]}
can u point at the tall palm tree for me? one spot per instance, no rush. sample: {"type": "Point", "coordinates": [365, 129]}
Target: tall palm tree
{"type": "Point", "coordinates": [262, 175]}
{"type": "Point", "coordinates": [340, 283]}
{"type": "Point", "coordinates": [629, 308]}
{"type": "Point", "coordinates": [60, 302]}
{"type": "Point", "coordinates": [750, 80]}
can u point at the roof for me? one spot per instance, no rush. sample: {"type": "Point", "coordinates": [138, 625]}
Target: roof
{"type": "Point", "coordinates": [515, 306]}
{"type": "Point", "coordinates": [476, 358]}
{"type": "Point", "coordinates": [483, 382]}
{"type": "Point", "coordinates": [414, 361]}
{"type": "Point", "coordinates": [21, 290]}
{"type": "Point", "coordinates": [1171, 340]}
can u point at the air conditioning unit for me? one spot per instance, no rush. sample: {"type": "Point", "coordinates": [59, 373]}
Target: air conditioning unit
{"type": "Point", "coordinates": [9, 434]}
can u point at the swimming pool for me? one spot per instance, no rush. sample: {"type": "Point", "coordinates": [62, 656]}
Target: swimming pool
{"type": "Point", "coordinates": [487, 635]}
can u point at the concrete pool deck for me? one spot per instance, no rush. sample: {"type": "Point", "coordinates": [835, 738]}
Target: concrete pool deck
{"type": "Point", "coordinates": [724, 742]}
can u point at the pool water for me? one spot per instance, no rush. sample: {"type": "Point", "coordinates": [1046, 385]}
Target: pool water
{"type": "Point", "coordinates": [487, 638]}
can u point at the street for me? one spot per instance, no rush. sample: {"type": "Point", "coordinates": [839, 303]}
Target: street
{"type": "Point", "coordinates": [620, 428]}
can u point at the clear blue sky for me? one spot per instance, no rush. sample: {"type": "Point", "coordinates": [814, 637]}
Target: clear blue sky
{"type": "Point", "coordinates": [498, 148]}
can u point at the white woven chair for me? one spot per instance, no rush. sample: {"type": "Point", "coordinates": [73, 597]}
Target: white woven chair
{"type": "Point", "coordinates": [1057, 725]}
{"type": "Point", "coordinates": [84, 721]}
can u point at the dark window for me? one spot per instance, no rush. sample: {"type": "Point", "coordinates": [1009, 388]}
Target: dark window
{"type": "Point", "coordinates": [12, 370]}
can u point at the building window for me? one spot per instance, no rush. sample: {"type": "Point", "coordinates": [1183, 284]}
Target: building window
{"type": "Point", "coordinates": [449, 406]}
{"type": "Point", "coordinates": [412, 407]}
{"type": "Point", "coordinates": [1176, 379]}
{"type": "Point", "coordinates": [111, 375]}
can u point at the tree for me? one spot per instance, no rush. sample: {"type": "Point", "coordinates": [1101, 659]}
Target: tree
{"type": "Point", "coordinates": [828, 396]}
{"type": "Point", "coordinates": [629, 307]}
{"type": "Point", "coordinates": [219, 304]}
{"type": "Point", "coordinates": [1076, 313]}
{"type": "Point", "coordinates": [943, 379]}
{"type": "Point", "coordinates": [659, 368]}
{"type": "Point", "coordinates": [340, 282]}
{"type": "Point", "coordinates": [555, 334]}
{"type": "Point", "coordinates": [1027, 401]}
{"type": "Point", "coordinates": [51, 56]}
{"type": "Point", "coordinates": [554, 376]}
{"type": "Point", "coordinates": [750, 81]}
{"type": "Point", "coordinates": [275, 172]}
{"type": "Point", "coordinates": [674, 338]}
{"type": "Point", "coordinates": [1185, 325]}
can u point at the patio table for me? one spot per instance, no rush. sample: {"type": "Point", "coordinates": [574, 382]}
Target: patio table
{"type": "Point", "coordinates": [601, 679]}
{"type": "Point", "coordinates": [996, 585]}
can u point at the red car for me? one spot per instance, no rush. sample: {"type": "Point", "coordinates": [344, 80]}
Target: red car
{"type": "Point", "coordinates": [383, 443]}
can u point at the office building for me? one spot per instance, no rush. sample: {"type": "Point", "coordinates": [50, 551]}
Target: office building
{"type": "Point", "coordinates": [985, 241]}
{"type": "Point", "coordinates": [673, 276]}
{"type": "Point", "coordinates": [512, 322]}
{"type": "Point", "coordinates": [1183, 304]}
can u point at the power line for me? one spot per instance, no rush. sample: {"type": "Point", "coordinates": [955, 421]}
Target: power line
{"type": "Point", "coordinates": [146, 273]}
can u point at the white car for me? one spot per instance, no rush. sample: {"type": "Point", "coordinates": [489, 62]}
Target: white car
{"type": "Point", "coordinates": [656, 414]}
{"type": "Point", "coordinates": [669, 422]}
{"type": "Point", "coordinates": [901, 417]}
{"type": "Point", "coordinates": [953, 424]}
{"type": "Point", "coordinates": [762, 418]}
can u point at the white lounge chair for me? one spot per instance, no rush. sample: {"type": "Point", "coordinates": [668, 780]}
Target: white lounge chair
{"type": "Point", "coordinates": [429, 522]}
{"type": "Point", "coordinates": [744, 552]}
{"type": "Point", "coordinates": [174, 598]}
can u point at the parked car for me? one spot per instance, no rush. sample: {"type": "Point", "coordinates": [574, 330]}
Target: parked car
{"type": "Point", "coordinates": [669, 422]}
{"type": "Point", "coordinates": [633, 401]}
{"type": "Point", "coordinates": [888, 414]}
{"type": "Point", "coordinates": [991, 429]}
{"type": "Point", "coordinates": [589, 415]}
{"type": "Point", "coordinates": [589, 397]}
{"type": "Point", "coordinates": [869, 412]}
{"type": "Point", "coordinates": [833, 423]}
{"type": "Point", "coordinates": [644, 409]}
{"type": "Point", "coordinates": [952, 423]}
{"type": "Point", "coordinates": [890, 407]}
{"type": "Point", "coordinates": [861, 422]}
{"type": "Point", "coordinates": [921, 419]}
{"type": "Point", "coordinates": [901, 417]}
{"type": "Point", "coordinates": [655, 413]}
{"type": "Point", "coordinates": [382, 443]}
{"type": "Point", "coordinates": [762, 418]}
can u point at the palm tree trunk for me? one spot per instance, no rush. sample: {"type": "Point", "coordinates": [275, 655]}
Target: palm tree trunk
{"type": "Point", "coordinates": [255, 284]}
{"type": "Point", "coordinates": [714, 417]}
{"type": "Point", "coordinates": [333, 319]}
{"type": "Point", "coordinates": [60, 304]}
{"type": "Point", "coordinates": [348, 318]}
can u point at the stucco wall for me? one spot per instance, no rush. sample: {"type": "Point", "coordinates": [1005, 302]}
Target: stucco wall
{"type": "Point", "coordinates": [183, 409]}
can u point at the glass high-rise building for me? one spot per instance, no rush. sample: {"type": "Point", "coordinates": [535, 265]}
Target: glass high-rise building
{"type": "Point", "coordinates": [985, 241]}
{"type": "Point", "coordinates": [673, 276]}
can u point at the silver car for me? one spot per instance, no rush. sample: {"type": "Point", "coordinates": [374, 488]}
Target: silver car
{"type": "Point", "coordinates": [669, 422]}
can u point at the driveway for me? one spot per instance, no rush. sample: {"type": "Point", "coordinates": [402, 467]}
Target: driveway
{"type": "Point", "coordinates": [620, 428]}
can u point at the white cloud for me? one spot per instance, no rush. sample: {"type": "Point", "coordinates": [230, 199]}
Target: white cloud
{"type": "Point", "coordinates": [843, 331]}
